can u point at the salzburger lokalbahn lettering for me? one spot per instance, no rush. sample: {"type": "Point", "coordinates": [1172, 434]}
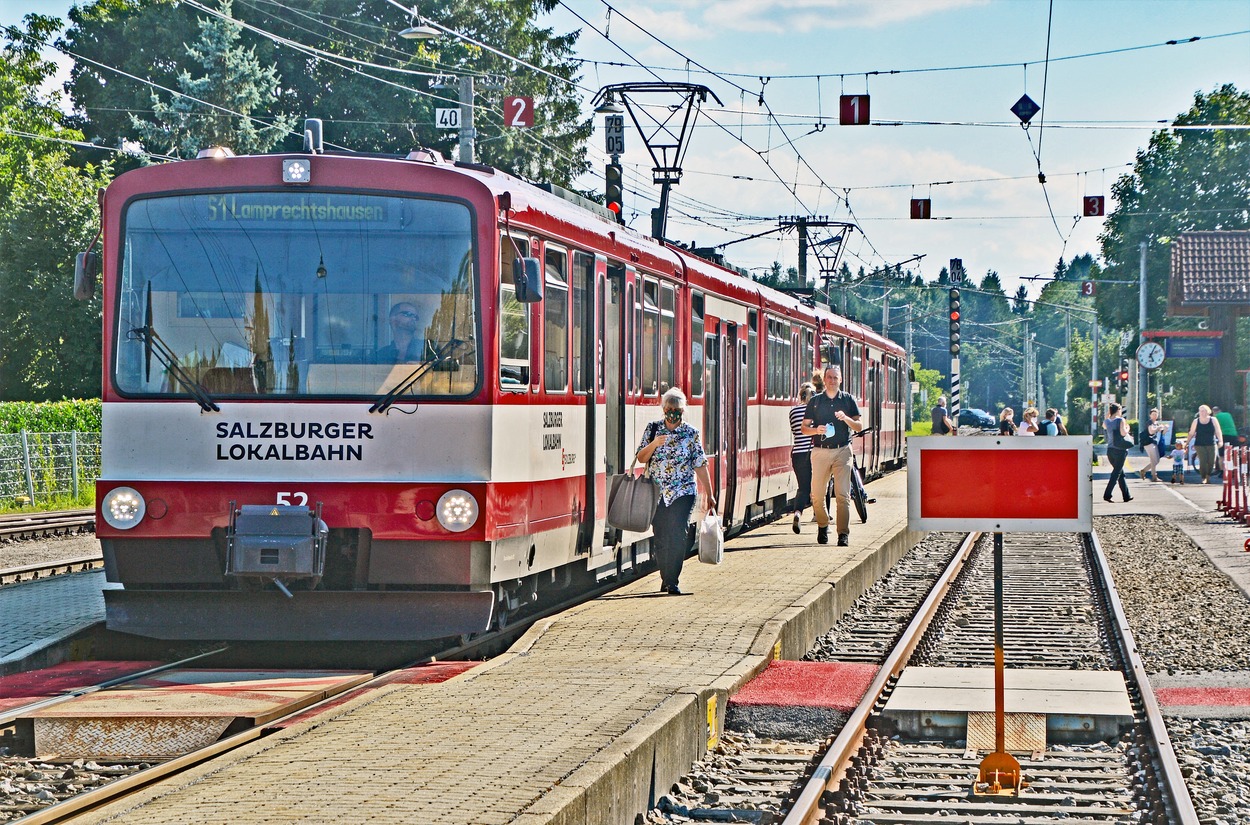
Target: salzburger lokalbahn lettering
{"type": "Point", "coordinates": [289, 452]}
{"type": "Point", "coordinates": [284, 429]}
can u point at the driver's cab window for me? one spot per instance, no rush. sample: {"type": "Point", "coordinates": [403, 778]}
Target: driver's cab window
{"type": "Point", "coordinates": [514, 319]}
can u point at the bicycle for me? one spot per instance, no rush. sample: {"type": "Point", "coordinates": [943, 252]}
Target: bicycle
{"type": "Point", "coordinates": [859, 495]}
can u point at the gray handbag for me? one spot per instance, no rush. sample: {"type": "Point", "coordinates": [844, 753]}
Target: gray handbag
{"type": "Point", "coordinates": [632, 500]}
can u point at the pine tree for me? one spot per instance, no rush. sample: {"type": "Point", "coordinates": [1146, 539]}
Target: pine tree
{"type": "Point", "coordinates": [233, 79]}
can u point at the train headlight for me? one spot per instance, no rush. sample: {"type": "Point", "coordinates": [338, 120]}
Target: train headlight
{"type": "Point", "coordinates": [123, 507]}
{"type": "Point", "coordinates": [456, 510]}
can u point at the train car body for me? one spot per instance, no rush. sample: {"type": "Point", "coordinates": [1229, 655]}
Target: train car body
{"type": "Point", "coordinates": [255, 309]}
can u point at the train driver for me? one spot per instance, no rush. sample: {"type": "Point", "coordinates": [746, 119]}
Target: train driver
{"type": "Point", "coordinates": [406, 345]}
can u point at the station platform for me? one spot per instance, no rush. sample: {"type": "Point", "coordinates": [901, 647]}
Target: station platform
{"type": "Point", "coordinates": [35, 616]}
{"type": "Point", "coordinates": [589, 718]}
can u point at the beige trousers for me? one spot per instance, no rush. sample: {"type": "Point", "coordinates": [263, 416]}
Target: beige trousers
{"type": "Point", "coordinates": [835, 463]}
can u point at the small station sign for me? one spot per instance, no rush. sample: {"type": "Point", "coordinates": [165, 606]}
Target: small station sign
{"type": "Point", "coordinates": [1000, 484]}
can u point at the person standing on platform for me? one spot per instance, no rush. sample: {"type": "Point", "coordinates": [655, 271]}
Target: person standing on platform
{"type": "Point", "coordinates": [1207, 438]}
{"type": "Point", "coordinates": [1149, 440]}
{"type": "Point", "coordinates": [1178, 461]}
{"type": "Point", "coordinates": [1227, 427]}
{"type": "Point", "coordinates": [801, 455]}
{"type": "Point", "coordinates": [677, 450]}
{"type": "Point", "coordinates": [1028, 422]}
{"type": "Point", "coordinates": [1007, 421]}
{"type": "Point", "coordinates": [942, 424]}
{"type": "Point", "coordinates": [831, 417]}
{"type": "Point", "coordinates": [1117, 451]}
{"type": "Point", "coordinates": [1053, 424]}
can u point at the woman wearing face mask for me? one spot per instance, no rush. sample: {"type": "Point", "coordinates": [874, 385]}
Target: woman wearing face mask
{"type": "Point", "coordinates": [674, 452]}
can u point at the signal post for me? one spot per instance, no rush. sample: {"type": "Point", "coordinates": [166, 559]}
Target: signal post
{"type": "Point", "coordinates": [957, 277]}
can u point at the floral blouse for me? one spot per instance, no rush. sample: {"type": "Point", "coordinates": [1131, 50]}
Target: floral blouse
{"type": "Point", "coordinates": [673, 464]}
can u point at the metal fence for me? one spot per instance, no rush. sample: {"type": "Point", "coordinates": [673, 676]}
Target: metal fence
{"type": "Point", "coordinates": [41, 466]}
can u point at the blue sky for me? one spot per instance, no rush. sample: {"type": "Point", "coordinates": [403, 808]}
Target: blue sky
{"type": "Point", "coordinates": [1099, 111]}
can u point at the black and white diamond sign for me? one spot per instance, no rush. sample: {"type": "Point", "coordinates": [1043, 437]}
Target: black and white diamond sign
{"type": "Point", "coordinates": [1025, 108]}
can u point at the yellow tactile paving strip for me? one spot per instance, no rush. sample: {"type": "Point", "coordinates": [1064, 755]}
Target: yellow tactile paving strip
{"type": "Point", "coordinates": [591, 715]}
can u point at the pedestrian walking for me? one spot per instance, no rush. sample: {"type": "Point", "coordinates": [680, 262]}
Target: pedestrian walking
{"type": "Point", "coordinates": [801, 455]}
{"type": "Point", "coordinates": [1178, 461]}
{"type": "Point", "coordinates": [674, 451]}
{"type": "Point", "coordinates": [831, 417]}
{"type": "Point", "coordinates": [1117, 451]}
{"type": "Point", "coordinates": [1149, 438]}
{"type": "Point", "coordinates": [942, 424]}
{"type": "Point", "coordinates": [1007, 421]}
{"type": "Point", "coordinates": [1207, 438]}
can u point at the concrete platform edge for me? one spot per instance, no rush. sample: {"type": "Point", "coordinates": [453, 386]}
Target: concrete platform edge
{"type": "Point", "coordinates": [630, 775]}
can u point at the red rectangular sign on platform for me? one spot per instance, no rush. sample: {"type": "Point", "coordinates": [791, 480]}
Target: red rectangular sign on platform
{"type": "Point", "coordinates": [1000, 484]}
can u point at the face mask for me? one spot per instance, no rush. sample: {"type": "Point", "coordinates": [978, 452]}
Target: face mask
{"type": "Point", "coordinates": [673, 415]}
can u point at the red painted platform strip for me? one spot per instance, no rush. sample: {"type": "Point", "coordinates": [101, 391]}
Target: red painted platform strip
{"type": "Point", "coordinates": [1203, 696]}
{"type": "Point", "coordinates": [430, 674]}
{"type": "Point", "coordinates": [65, 677]}
{"type": "Point", "coordinates": [838, 685]}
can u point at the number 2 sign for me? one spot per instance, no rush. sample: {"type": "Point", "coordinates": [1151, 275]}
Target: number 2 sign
{"type": "Point", "coordinates": [518, 112]}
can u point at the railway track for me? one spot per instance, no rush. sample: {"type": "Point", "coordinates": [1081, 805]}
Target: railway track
{"type": "Point", "coordinates": [39, 525]}
{"type": "Point", "coordinates": [59, 790]}
{"type": "Point", "coordinates": [1061, 615]}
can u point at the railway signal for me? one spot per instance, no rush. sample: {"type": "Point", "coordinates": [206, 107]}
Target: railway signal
{"type": "Point", "coordinates": [1121, 377]}
{"type": "Point", "coordinates": [612, 188]}
{"type": "Point", "coordinates": [954, 295]}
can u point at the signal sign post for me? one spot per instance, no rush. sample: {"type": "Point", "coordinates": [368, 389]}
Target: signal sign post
{"type": "Point", "coordinates": [958, 485]}
{"type": "Point", "coordinates": [956, 275]}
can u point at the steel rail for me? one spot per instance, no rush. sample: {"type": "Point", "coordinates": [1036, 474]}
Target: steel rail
{"type": "Point", "coordinates": [1182, 804]}
{"type": "Point", "coordinates": [36, 524]}
{"type": "Point", "coordinates": [807, 806]}
{"type": "Point", "coordinates": [105, 794]}
{"type": "Point", "coordinates": [47, 569]}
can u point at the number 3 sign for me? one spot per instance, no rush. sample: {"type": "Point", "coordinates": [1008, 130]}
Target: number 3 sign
{"type": "Point", "coordinates": [518, 112]}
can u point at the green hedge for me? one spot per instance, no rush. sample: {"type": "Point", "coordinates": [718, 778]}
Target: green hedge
{"type": "Point", "coordinates": [53, 417]}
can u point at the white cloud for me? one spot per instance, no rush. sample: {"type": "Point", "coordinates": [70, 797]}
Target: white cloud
{"type": "Point", "coordinates": [804, 16]}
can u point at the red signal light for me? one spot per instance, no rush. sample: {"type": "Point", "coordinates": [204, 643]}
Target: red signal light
{"type": "Point", "coordinates": [615, 207]}
{"type": "Point", "coordinates": [954, 316]}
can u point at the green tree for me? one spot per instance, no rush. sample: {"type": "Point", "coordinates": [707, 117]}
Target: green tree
{"type": "Point", "coordinates": [47, 213]}
{"type": "Point", "coordinates": [367, 108]}
{"type": "Point", "coordinates": [1184, 180]}
{"type": "Point", "coordinates": [229, 76]}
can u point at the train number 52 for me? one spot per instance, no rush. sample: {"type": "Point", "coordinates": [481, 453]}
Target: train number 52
{"type": "Point", "coordinates": [299, 499]}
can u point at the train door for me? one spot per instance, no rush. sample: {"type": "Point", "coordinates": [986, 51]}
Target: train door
{"type": "Point", "coordinates": [876, 418]}
{"type": "Point", "coordinates": [713, 400]}
{"type": "Point", "coordinates": [733, 413]}
{"type": "Point", "coordinates": [615, 296]}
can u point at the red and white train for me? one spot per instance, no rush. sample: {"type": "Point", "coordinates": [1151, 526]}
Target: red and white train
{"type": "Point", "coordinates": [269, 471]}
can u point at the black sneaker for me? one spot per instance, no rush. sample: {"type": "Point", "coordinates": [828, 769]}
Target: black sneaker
{"type": "Point", "coordinates": [822, 535]}
{"type": "Point", "coordinates": [844, 539]}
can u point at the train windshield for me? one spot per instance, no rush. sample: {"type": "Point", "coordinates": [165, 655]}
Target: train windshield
{"type": "Point", "coordinates": [297, 293]}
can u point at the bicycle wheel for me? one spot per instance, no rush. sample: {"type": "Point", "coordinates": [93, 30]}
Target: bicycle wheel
{"type": "Point", "coordinates": [859, 495]}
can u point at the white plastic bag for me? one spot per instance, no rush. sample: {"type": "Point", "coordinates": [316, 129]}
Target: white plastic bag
{"type": "Point", "coordinates": [711, 540]}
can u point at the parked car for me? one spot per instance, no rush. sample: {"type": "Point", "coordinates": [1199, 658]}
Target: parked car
{"type": "Point", "coordinates": [980, 419]}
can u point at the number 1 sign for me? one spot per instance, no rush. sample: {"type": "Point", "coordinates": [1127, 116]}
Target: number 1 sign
{"type": "Point", "coordinates": [518, 112]}
{"type": "Point", "coordinates": [853, 110]}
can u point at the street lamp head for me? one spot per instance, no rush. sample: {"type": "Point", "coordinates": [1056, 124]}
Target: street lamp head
{"type": "Point", "coordinates": [609, 106]}
{"type": "Point", "coordinates": [420, 30]}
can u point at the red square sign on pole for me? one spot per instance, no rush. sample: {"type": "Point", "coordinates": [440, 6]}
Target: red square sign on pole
{"type": "Point", "coordinates": [518, 112]}
{"type": "Point", "coordinates": [853, 110]}
{"type": "Point", "coordinates": [1000, 484]}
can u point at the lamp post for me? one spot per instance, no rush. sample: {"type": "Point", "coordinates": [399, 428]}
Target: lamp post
{"type": "Point", "coordinates": [421, 30]}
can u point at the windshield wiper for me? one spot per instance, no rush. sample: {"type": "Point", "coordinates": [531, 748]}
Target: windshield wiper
{"type": "Point", "coordinates": [153, 345]}
{"type": "Point", "coordinates": [440, 358]}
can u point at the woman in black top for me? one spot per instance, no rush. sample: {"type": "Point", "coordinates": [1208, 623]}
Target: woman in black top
{"type": "Point", "coordinates": [1206, 437]}
{"type": "Point", "coordinates": [1117, 452]}
{"type": "Point", "coordinates": [1007, 422]}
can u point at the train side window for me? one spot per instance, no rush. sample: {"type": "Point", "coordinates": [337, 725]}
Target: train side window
{"type": "Point", "coordinates": [753, 363]}
{"type": "Point", "coordinates": [650, 337]}
{"type": "Point", "coordinates": [809, 356]}
{"type": "Point", "coordinates": [556, 321]}
{"type": "Point", "coordinates": [583, 275]}
{"type": "Point", "coordinates": [696, 344]}
{"type": "Point", "coordinates": [514, 321]}
{"type": "Point", "coordinates": [668, 337]}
